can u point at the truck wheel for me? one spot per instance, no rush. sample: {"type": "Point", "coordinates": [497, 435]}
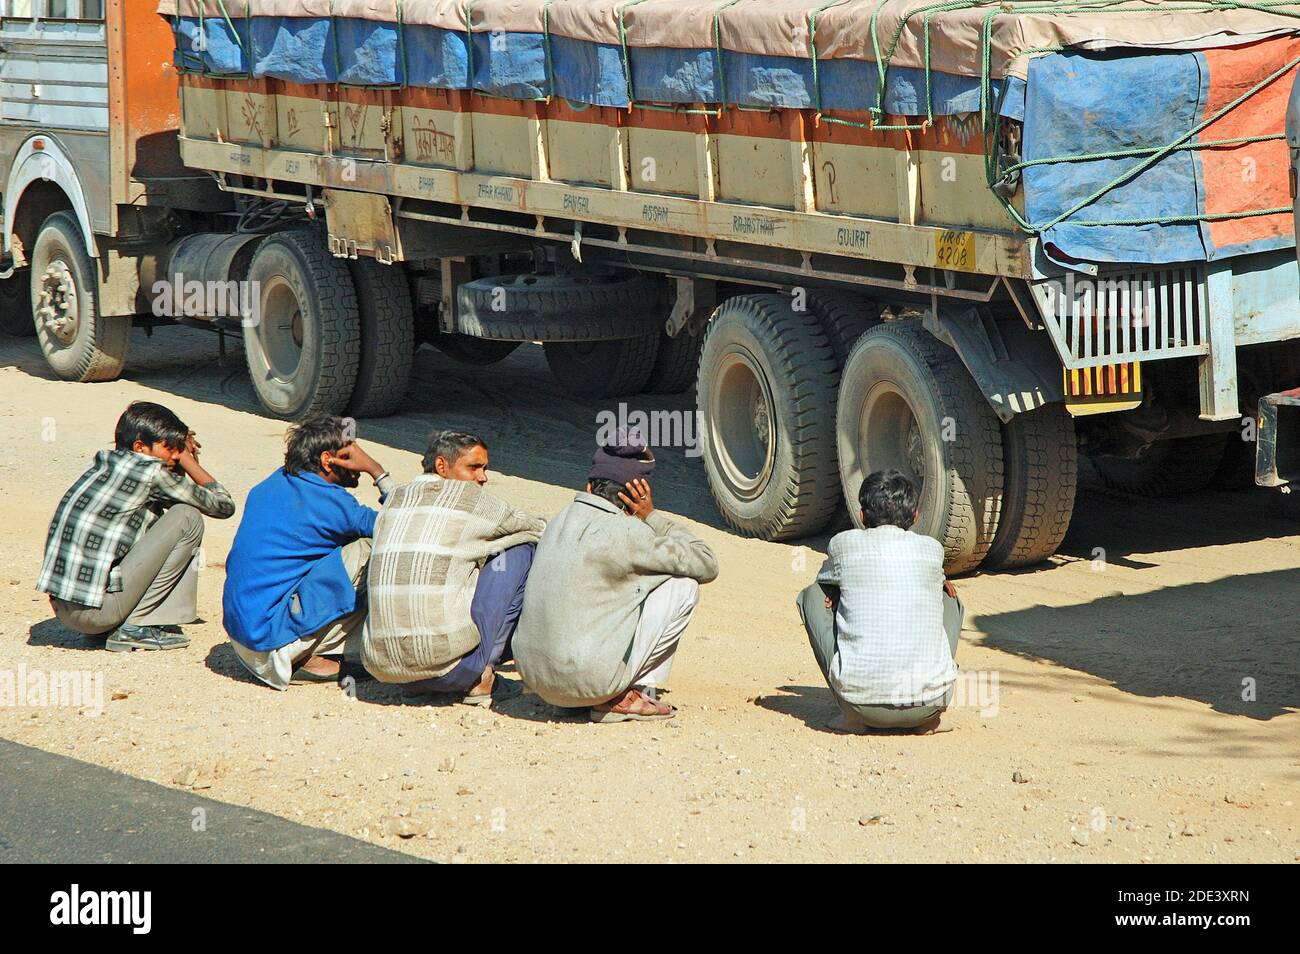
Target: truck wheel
{"type": "Point", "coordinates": [1040, 469]}
{"type": "Point", "coordinates": [845, 318]}
{"type": "Point", "coordinates": [79, 343]}
{"type": "Point", "coordinates": [387, 322]}
{"type": "Point", "coordinates": [16, 305]}
{"type": "Point", "coordinates": [1182, 465]}
{"type": "Point", "coordinates": [907, 402]}
{"type": "Point", "coordinates": [560, 307]}
{"type": "Point", "coordinates": [476, 351]}
{"type": "Point", "coordinates": [766, 395]}
{"type": "Point", "coordinates": [676, 363]}
{"type": "Point", "coordinates": [304, 350]}
{"type": "Point", "coordinates": [602, 369]}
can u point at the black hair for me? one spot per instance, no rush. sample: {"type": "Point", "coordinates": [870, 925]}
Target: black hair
{"type": "Point", "coordinates": [608, 489]}
{"type": "Point", "coordinates": [449, 445]}
{"type": "Point", "coordinates": [305, 442]}
{"type": "Point", "coordinates": [149, 423]}
{"type": "Point", "coordinates": [888, 498]}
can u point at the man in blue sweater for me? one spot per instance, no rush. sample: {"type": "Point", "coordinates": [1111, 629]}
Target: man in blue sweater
{"type": "Point", "coordinates": [295, 577]}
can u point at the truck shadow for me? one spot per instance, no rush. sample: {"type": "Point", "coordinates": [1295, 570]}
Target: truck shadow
{"type": "Point", "coordinates": [1231, 644]}
{"type": "Point", "coordinates": [534, 430]}
{"type": "Point", "coordinates": [539, 433]}
{"type": "Point", "coordinates": [1112, 526]}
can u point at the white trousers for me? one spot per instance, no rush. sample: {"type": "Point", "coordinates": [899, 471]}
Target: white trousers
{"type": "Point", "coordinates": [342, 637]}
{"type": "Point", "coordinates": [664, 617]}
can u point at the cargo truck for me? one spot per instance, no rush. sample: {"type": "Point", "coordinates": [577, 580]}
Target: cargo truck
{"type": "Point", "coordinates": [968, 240]}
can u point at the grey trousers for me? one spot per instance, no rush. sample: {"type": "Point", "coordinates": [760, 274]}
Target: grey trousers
{"type": "Point", "coordinates": [160, 581]}
{"type": "Point", "coordinates": [340, 638]}
{"type": "Point", "coordinates": [819, 621]}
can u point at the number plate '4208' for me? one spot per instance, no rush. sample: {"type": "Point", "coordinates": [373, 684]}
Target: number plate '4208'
{"type": "Point", "coordinates": [955, 250]}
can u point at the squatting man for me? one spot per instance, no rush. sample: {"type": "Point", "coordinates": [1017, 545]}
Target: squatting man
{"type": "Point", "coordinates": [447, 581]}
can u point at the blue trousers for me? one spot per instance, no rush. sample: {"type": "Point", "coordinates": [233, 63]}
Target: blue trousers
{"type": "Point", "coordinates": [498, 601]}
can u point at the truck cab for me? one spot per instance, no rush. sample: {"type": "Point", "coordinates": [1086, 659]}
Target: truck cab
{"type": "Point", "coordinates": [91, 181]}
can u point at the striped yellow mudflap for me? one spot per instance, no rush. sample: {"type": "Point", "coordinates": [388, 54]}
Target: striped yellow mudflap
{"type": "Point", "coordinates": [1100, 390]}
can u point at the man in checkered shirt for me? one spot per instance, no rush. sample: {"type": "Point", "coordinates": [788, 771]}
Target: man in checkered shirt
{"type": "Point", "coordinates": [882, 620]}
{"type": "Point", "coordinates": [119, 556]}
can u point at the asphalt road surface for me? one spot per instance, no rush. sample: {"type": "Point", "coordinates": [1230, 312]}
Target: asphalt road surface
{"type": "Point", "coordinates": [59, 810]}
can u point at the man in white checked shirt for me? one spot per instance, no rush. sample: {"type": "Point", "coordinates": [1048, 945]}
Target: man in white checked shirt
{"type": "Point", "coordinates": [882, 620]}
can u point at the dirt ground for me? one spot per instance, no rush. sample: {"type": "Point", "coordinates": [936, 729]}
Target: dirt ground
{"type": "Point", "coordinates": [1136, 700]}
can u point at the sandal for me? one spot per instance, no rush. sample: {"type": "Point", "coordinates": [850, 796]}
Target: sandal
{"type": "Point", "coordinates": [306, 676]}
{"type": "Point", "coordinates": [609, 716]}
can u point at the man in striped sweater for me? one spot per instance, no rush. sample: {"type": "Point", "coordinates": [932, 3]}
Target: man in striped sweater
{"type": "Point", "coordinates": [447, 577]}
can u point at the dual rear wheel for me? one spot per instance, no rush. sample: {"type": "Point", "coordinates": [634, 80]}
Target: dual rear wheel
{"type": "Point", "coordinates": [329, 336]}
{"type": "Point", "coordinates": [800, 407]}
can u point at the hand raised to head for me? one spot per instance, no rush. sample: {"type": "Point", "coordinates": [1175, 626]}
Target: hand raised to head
{"type": "Point", "coordinates": [638, 500]}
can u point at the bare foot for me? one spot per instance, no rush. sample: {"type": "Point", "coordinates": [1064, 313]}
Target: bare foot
{"type": "Point", "coordinates": [484, 685]}
{"type": "Point", "coordinates": [633, 702]}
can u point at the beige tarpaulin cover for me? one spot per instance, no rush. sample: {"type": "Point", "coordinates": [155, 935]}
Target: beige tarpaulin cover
{"type": "Point", "coordinates": [843, 27]}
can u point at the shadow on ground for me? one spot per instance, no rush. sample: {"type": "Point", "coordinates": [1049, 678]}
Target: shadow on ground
{"type": "Point", "coordinates": [51, 632]}
{"type": "Point", "coordinates": [1232, 644]}
{"type": "Point", "coordinates": [814, 706]}
{"type": "Point", "coordinates": [534, 430]}
{"type": "Point", "coordinates": [1222, 633]}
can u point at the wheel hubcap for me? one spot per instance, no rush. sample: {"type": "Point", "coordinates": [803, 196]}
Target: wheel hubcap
{"type": "Point", "coordinates": [56, 308]}
{"type": "Point", "coordinates": [889, 435]}
{"type": "Point", "coordinates": [743, 427]}
{"type": "Point", "coordinates": [281, 329]}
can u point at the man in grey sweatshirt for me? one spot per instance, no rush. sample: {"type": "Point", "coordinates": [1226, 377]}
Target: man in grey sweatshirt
{"type": "Point", "coordinates": [614, 584]}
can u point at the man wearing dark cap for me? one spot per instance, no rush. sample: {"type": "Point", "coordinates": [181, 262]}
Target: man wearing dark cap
{"type": "Point", "coordinates": [614, 584]}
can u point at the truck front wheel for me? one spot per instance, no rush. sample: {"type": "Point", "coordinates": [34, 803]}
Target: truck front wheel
{"type": "Point", "coordinates": [766, 395]}
{"type": "Point", "coordinates": [304, 346]}
{"type": "Point", "coordinates": [79, 343]}
{"type": "Point", "coordinates": [907, 402]}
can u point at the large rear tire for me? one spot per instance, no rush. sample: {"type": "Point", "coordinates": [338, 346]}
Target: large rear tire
{"type": "Point", "coordinates": [907, 402]}
{"type": "Point", "coordinates": [1169, 468]}
{"type": "Point", "coordinates": [845, 318]}
{"type": "Point", "coordinates": [766, 395]}
{"type": "Point", "coordinates": [1040, 471]}
{"type": "Point", "coordinates": [79, 343]}
{"type": "Point", "coordinates": [16, 305]}
{"type": "Point", "coordinates": [602, 369]}
{"type": "Point", "coordinates": [387, 324]}
{"type": "Point", "coordinates": [304, 348]}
